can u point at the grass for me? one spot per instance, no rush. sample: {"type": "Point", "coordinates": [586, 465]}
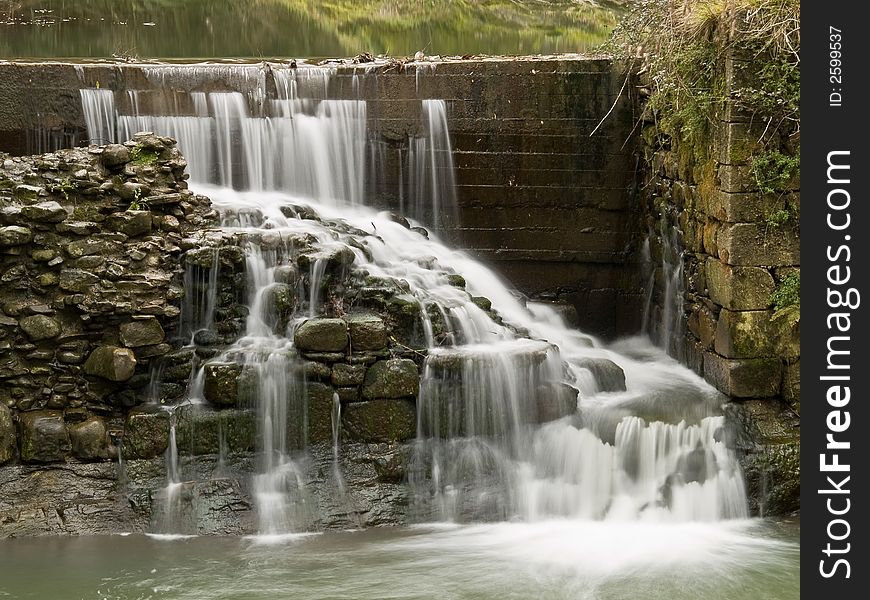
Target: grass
{"type": "Point", "coordinates": [682, 47]}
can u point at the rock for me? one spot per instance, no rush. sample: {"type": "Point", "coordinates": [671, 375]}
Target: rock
{"type": "Point", "coordinates": [395, 378]}
{"type": "Point", "coordinates": [85, 247]}
{"type": "Point", "coordinates": [367, 332]}
{"type": "Point", "coordinates": [78, 227]}
{"type": "Point", "coordinates": [739, 288]}
{"type": "Point", "coordinates": [754, 244]}
{"type": "Point", "coordinates": [201, 257]}
{"type": "Point", "coordinates": [44, 212]}
{"type": "Point", "coordinates": [43, 254]}
{"type": "Point", "coordinates": [381, 420]}
{"type": "Point", "coordinates": [348, 394]}
{"type": "Point", "coordinates": [7, 435]}
{"type": "Point", "coordinates": [131, 222]}
{"type": "Point", "coordinates": [321, 399]}
{"type": "Point", "coordinates": [13, 274]}
{"type": "Point", "coordinates": [28, 193]}
{"type": "Point", "coordinates": [200, 430]}
{"type": "Point", "coordinates": [609, 376]}
{"type": "Point", "coordinates": [768, 434]}
{"type": "Point", "coordinates": [146, 433]}
{"type": "Point", "coordinates": [40, 327]}
{"type": "Point", "coordinates": [746, 334]}
{"type": "Point", "coordinates": [744, 378]}
{"type": "Point", "coordinates": [221, 383]}
{"type": "Point", "coordinates": [141, 332]}
{"type": "Point", "coordinates": [282, 298]}
{"type": "Point", "coordinates": [43, 436]}
{"type": "Point", "coordinates": [76, 280]}
{"type": "Point", "coordinates": [111, 362]}
{"type": "Point", "coordinates": [15, 236]}
{"type": "Point", "coordinates": [456, 280]}
{"type": "Point", "coordinates": [287, 274]}
{"type": "Point", "coordinates": [115, 156]}
{"type": "Point", "coordinates": [322, 335]}
{"type": "Point", "coordinates": [88, 439]}
{"type": "Point", "coordinates": [555, 401]}
{"type": "Point", "coordinates": [315, 371]}
{"type": "Point", "coordinates": [345, 375]}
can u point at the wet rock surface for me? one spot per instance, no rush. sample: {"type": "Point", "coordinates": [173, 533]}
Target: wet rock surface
{"type": "Point", "coordinates": [104, 498]}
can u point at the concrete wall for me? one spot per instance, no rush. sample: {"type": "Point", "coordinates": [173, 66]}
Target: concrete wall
{"type": "Point", "coordinates": [543, 200]}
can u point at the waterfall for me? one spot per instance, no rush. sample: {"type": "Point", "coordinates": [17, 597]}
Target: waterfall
{"type": "Point", "coordinates": [519, 416]}
{"type": "Point", "coordinates": [98, 107]}
{"type": "Point", "coordinates": [431, 184]}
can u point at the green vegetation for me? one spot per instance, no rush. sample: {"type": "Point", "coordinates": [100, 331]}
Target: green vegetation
{"type": "Point", "coordinates": [64, 186]}
{"type": "Point", "coordinates": [682, 49]}
{"type": "Point", "coordinates": [773, 170]}
{"type": "Point", "coordinates": [786, 299]}
{"type": "Point", "coordinates": [140, 156]}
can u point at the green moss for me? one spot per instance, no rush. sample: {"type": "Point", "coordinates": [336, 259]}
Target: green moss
{"type": "Point", "coordinates": [142, 157]}
{"type": "Point", "coordinates": [786, 299]}
{"type": "Point", "coordinates": [773, 170]}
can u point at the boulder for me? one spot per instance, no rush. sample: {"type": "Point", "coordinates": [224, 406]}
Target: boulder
{"type": "Point", "coordinates": [204, 430]}
{"type": "Point", "coordinates": [288, 274]}
{"type": "Point", "coordinates": [142, 332]}
{"type": "Point", "coordinates": [88, 439]}
{"type": "Point", "coordinates": [7, 434]}
{"type": "Point", "coordinates": [44, 212]}
{"type": "Point", "coordinates": [321, 400]}
{"type": "Point", "coordinates": [394, 378]}
{"type": "Point", "coordinates": [556, 400]}
{"type": "Point", "coordinates": [131, 222]}
{"type": "Point", "coordinates": [115, 156]}
{"type": "Point", "coordinates": [44, 437]}
{"type": "Point", "coordinates": [15, 236]}
{"type": "Point", "coordinates": [345, 375]}
{"type": "Point", "coordinates": [146, 433]}
{"type": "Point", "coordinates": [221, 383]}
{"type": "Point", "coordinates": [322, 335]}
{"type": "Point", "coordinates": [76, 280]}
{"type": "Point", "coordinates": [381, 420]}
{"type": "Point", "coordinates": [112, 363]}
{"type": "Point", "coordinates": [40, 327]}
{"type": "Point", "coordinates": [367, 332]}
{"type": "Point", "coordinates": [28, 193]}
{"type": "Point", "coordinates": [609, 376]}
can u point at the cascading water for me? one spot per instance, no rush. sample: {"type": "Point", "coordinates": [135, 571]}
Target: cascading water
{"type": "Point", "coordinates": [488, 447]}
{"type": "Point", "coordinates": [431, 195]}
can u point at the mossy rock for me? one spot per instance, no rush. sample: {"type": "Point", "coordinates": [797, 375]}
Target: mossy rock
{"type": "Point", "coordinates": [380, 420]}
{"type": "Point", "coordinates": [395, 378]}
{"type": "Point", "coordinates": [7, 435]}
{"type": "Point", "coordinates": [146, 433]}
{"type": "Point", "coordinates": [44, 436]}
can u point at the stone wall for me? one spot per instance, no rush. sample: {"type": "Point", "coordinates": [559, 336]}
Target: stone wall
{"type": "Point", "coordinates": [105, 259]}
{"type": "Point", "coordinates": [540, 197]}
{"type": "Point", "coordinates": [93, 248]}
{"type": "Point", "coordinates": [734, 246]}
